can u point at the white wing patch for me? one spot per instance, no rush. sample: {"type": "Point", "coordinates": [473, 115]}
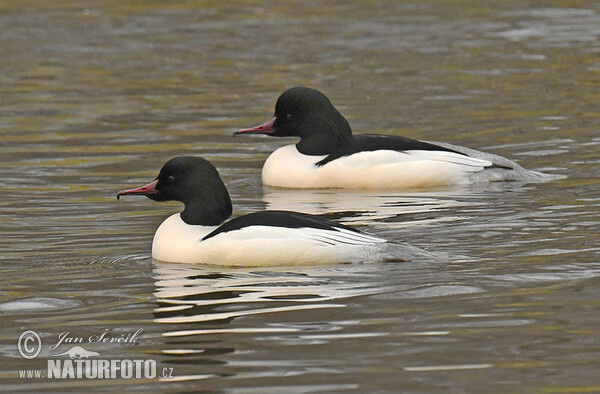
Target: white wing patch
{"type": "Point", "coordinates": [340, 237]}
{"type": "Point", "coordinates": [467, 163]}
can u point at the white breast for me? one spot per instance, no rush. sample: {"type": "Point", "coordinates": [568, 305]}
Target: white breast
{"type": "Point", "coordinates": [176, 241]}
{"type": "Point", "coordinates": [382, 169]}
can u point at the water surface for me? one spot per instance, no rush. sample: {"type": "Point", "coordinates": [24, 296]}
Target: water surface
{"type": "Point", "coordinates": [95, 97]}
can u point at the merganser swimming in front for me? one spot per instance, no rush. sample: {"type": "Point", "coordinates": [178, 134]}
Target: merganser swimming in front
{"type": "Point", "coordinates": [200, 234]}
{"type": "Point", "coordinates": [329, 156]}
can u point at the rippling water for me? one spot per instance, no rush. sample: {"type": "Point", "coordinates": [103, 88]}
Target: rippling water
{"type": "Point", "coordinates": [97, 96]}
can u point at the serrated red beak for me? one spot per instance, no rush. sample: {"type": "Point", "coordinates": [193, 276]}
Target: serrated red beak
{"type": "Point", "coordinates": [265, 128]}
{"type": "Point", "coordinates": [144, 190]}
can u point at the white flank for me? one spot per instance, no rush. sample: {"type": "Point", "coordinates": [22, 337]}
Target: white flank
{"type": "Point", "coordinates": [382, 169]}
{"type": "Point", "coordinates": [177, 242]}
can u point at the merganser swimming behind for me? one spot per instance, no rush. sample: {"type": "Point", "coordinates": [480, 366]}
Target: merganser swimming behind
{"type": "Point", "coordinates": [329, 156]}
{"type": "Point", "coordinates": [265, 238]}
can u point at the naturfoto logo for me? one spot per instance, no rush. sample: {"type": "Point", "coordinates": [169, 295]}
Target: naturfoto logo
{"type": "Point", "coordinates": [78, 362]}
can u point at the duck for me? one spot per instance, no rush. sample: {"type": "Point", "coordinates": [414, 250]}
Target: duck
{"type": "Point", "coordinates": [201, 233]}
{"type": "Point", "coordinates": [328, 155]}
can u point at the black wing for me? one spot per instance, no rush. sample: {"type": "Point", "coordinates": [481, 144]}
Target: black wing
{"type": "Point", "coordinates": [373, 142]}
{"type": "Point", "coordinates": [280, 219]}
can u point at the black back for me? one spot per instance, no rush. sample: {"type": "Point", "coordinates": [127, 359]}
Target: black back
{"type": "Point", "coordinates": [373, 142]}
{"type": "Point", "coordinates": [279, 219]}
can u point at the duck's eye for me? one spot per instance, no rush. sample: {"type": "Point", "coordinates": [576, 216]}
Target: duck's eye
{"type": "Point", "coordinates": [170, 179]}
{"type": "Point", "coordinates": [288, 116]}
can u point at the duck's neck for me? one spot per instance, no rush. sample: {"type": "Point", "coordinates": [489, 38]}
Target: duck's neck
{"type": "Point", "coordinates": [325, 137]}
{"type": "Point", "coordinates": [320, 144]}
{"type": "Point", "coordinates": [199, 215]}
{"type": "Point", "coordinates": [208, 209]}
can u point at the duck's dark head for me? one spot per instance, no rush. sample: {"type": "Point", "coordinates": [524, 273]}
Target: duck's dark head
{"type": "Point", "coordinates": [308, 114]}
{"type": "Point", "coordinates": [196, 183]}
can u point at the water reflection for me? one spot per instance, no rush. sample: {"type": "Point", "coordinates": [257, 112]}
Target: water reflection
{"type": "Point", "coordinates": [204, 312]}
{"type": "Point", "coordinates": [389, 210]}
{"type": "Point", "coordinates": [356, 207]}
{"type": "Point", "coordinates": [95, 95]}
{"type": "Point", "coordinates": [203, 294]}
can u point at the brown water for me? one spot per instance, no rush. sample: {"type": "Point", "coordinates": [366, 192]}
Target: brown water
{"type": "Point", "coordinates": [96, 96]}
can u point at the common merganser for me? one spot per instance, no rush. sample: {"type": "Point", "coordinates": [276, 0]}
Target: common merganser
{"type": "Point", "coordinates": [329, 156]}
{"type": "Point", "coordinates": [200, 234]}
